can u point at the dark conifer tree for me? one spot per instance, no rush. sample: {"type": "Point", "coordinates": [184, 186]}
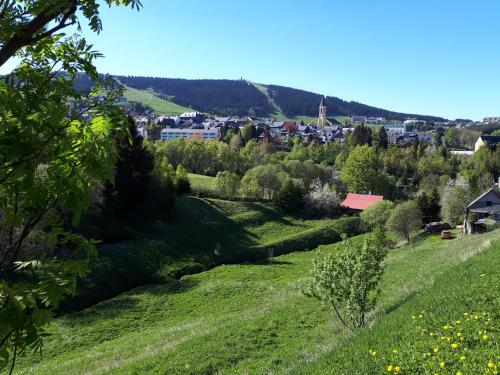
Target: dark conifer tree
{"type": "Point", "coordinates": [381, 139]}
{"type": "Point", "coordinates": [362, 135]}
{"type": "Point", "coordinates": [132, 172]}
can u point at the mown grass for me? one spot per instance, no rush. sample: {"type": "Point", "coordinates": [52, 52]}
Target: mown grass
{"type": "Point", "coordinates": [202, 183]}
{"type": "Point", "coordinates": [149, 98]}
{"type": "Point", "coordinates": [253, 318]}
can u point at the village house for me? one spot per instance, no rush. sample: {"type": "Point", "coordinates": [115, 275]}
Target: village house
{"type": "Point", "coordinates": [360, 202]}
{"type": "Point", "coordinates": [203, 134]}
{"type": "Point", "coordinates": [486, 140]}
{"type": "Point", "coordinates": [482, 211]}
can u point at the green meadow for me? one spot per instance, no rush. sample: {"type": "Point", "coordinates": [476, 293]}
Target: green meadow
{"type": "Point", "coordinates": [252, 318]}
{"type": "Point", "coordinates": [149, 98]}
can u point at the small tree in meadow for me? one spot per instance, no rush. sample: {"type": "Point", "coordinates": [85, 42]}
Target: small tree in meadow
{"type": "Point", "coordinates": [377, 214]}
{"type": "Point", "coordinates": [227, 184]}
{"type": "Point", "coordinates": [348, 280]}
{"type": "Point", "coordinates": [405, 219]}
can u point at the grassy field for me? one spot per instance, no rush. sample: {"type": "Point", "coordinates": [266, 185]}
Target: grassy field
{"type": "Point", "coordinates": [163, 107]}
{"type": "Point", "coordinates": [253, 319]}
{"type": "Point", "coordinates": [197, 235]}
{"type": "Point", "coordinates": [200, 182]}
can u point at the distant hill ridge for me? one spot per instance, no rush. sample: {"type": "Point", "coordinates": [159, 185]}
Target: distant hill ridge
{"type": "Point", "coordinates": [243, 98]}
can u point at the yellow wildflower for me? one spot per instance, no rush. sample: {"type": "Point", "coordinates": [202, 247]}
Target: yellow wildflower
{"type": "Point", "coordinates": [459, 372]}
{"type": "Point", "coordinates": [397, 369]}
{"type": "Point", "coordinates": [462, 358]}
{"type": "Point", "coordinates": [459, 334]}
{"type": "Point", "coordinates": [413, 317]}
{"type": "Point", "coordinates": [441, 364]}
{"type": "Point", "coordinates": [436, 350]}
{"type": "Point", "coordinates": [389, 368]}
{"type": "Point", "coordinates": [485, 337]}
{"type": "Point", "coordinates": [454, 345]}
{"type": "Point", "coordinates": [431, 333]}
{"type": "Point", "coordinates": [490, 364]}
{"type": "Point", "coordinates": [466, 313]}
{"type": "Point", "coordinates": [458, 321]}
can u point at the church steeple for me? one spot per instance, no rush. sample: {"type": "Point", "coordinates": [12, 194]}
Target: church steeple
{"type": "Point", "coordinates": [322, 112]}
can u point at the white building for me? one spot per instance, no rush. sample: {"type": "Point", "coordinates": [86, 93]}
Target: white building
{"type": "Point", "coordinates": [204, 134]}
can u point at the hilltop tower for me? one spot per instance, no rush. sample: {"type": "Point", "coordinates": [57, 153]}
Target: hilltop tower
{"type": "Point", "coordinates": [322, 112]}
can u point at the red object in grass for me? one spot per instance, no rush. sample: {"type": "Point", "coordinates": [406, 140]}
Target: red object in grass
{"type": "Point", "coordinates": [445, 234]}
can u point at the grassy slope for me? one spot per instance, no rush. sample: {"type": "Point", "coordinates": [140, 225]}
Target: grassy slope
{"type": "Point", "coordinates": [235, 319]}
{"type": "Point", "coordinates": [201, 182]}
{"type": "Point", "coordinates": [163, 107]}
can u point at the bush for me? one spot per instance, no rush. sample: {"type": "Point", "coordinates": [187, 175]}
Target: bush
{"type": "Point", "coordinates": [377, 214]}
{"type": "Point", "coordinates": [321, 200]}
{"type": "Point", "coordinates": [347, 281]}
{"type": "Point", "coordinates": [183, 185]}
{"type": "Point", "coordinates": [289, 197]}
{"type": "Point", "coordinates": [350, 226]}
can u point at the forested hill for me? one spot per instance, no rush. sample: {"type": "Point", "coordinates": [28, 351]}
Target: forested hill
{"type": "Point", "coordinates": [239, 97]}
{"type": "Point", "coordinates": [294, 102]}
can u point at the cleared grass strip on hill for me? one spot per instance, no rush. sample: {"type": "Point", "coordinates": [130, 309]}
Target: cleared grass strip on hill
{"type": "Point", "coordinates": [234, 319]}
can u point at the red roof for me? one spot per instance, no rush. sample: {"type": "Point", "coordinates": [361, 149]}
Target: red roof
{"type": "Point", "coordinates": [361, 201]}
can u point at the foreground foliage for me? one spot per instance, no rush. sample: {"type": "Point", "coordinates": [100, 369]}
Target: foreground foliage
{"type": "Point", "coordinates": [52, 153]}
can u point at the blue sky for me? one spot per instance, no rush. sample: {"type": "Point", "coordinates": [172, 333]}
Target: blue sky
{"type": "Point", "coordinates": [416, 56]}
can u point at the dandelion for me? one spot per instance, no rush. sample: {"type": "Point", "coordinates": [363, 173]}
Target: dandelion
{"type": "Point", "coordinates": [485, 337]}
{"type": "Point", "coordinates": [420, 316]}
{"type": "Point", "coordinates": [459, 334]}
{"type": "Point", "coordinates": [458, 321]}
{"type": "Point", "coordinates": [431, 333]}
{"type": "Point", "coordinates": [490, 364]}
{"type": "Point", "coordinates": [446, 328]}
{"type": "Point", "coordinates": [462, 358]}
{"type": "Point", "coordinates": [389, 368]}
{"type": "Point", "coordinates": [413, 317]}
{"type": "Point", "coordinates": [397, 369]}
{"type": "Point", "coordinates": [454, 345]}
{"type": "Point", "coordinates": [459, 372]}
{"type": "Point", "coordinates": [476, 317]}
{"type": "Point", "coordinates": [436, 350]}
{"type": "Point", "coordinates": [466, 313]}
{"type": "Point", "coordinates": [441, 364]}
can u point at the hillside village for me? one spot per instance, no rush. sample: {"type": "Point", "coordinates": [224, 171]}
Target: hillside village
{"type": "Point", "coordinates": [153, 225]}
{"type": "Point", "coordinates": [198, 125]}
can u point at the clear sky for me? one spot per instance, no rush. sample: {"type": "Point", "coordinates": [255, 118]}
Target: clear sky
{"type": "Point", "coordinates": [439, 57]}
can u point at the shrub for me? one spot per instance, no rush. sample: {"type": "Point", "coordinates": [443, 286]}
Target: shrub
{"type": "Point", "coordinates": [182, 185]}
{"type": "Point", "coordinates": [377, 214]}
{"type": "Point", "coordinates": [227, 184]}
{"type": "Point", "coordinates": [405, 219]}
{"type": "Point", "coordinates": [350, 226]}
{"type": "Point", "coordinates": [347, 281]}
{"type": "Point", "coordinates": [321, 199]}
{"type": "Point", "coordinates": [289, 197]}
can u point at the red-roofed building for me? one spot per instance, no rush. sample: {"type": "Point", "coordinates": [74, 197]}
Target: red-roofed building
{"type": "Point", "coordinates": [361, 201]}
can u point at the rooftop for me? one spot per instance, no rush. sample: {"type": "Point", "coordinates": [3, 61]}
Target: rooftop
{"type": "Point", "coordinates": [361, 201]}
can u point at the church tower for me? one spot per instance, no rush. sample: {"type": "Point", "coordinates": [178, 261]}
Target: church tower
{"type": "Point", "coordinates": [322, 112]}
